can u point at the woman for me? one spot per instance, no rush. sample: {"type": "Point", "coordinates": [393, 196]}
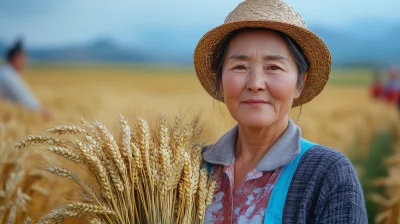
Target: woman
{"type": "Point", "coordinates": [262, 62]}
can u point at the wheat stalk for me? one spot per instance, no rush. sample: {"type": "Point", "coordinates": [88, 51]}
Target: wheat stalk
{"type": "Point", "coordinates": [30, 140]}
{"type": "Point", "coordinates": [27, 220]}
{"type": "Point", "coordinates": [202, 195]}
{"type": "Point", "coordinates": [61, 130]}
{"type": "Point", "coordinates": [66, 153]}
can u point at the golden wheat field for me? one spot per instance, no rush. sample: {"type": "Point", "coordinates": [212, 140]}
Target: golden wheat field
{"type": "Point", "coordinates": [339, 117]}
{"type": "Point", "coordinates": [343, 117]}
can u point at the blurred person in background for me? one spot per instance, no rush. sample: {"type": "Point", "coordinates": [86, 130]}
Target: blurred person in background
{"type": "Point", "coordinates": [377, 85]}
{"type": "Point", "coordinates": [12, 86]}
{"type": "Point", "coordinates": [392, 88]}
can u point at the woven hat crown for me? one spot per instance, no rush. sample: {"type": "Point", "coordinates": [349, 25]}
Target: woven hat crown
{"type": "Point", "coordinates": [273, 10]}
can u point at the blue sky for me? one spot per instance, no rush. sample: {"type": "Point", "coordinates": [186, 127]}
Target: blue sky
{"type": "Point", "coordinates": [52, 23]}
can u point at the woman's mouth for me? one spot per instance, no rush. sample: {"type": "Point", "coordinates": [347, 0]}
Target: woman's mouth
{"type": "Point", "coordinates": [255, 102]}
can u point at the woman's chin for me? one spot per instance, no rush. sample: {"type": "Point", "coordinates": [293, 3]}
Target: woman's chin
{"type": "Point", "coordinates": [255, 121]}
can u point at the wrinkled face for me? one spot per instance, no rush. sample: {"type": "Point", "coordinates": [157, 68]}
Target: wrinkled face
{"type": "Point", "coordinates": [259, 78]}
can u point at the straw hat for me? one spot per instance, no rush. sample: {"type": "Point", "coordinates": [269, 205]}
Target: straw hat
{"type": "Point", "coordinates": [275, 15]}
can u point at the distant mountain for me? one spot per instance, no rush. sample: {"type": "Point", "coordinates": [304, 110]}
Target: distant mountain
{"type": "Point", "coordinates": [365, 42]}
{"type": "Point", "coordinates": [354, 46]}
{"type": "Point", "coordinates": [99, 50]}
{"type": "Point", "coordinates": [171, 44]}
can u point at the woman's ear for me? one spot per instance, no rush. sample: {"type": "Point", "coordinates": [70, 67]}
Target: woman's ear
{"type": "Point", "coordinates": [299, 88]}
{"type": "Point", "coordinates": [221, 88]}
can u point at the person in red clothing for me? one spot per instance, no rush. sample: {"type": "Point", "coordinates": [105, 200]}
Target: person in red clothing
{"type": "Point", "coordinates": [392, 88]}
{"type": "Point", "coordinates": [377, 87]}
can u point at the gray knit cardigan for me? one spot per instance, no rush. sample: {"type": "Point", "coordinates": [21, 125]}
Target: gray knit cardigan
{"type": "Point", "coordinates": [325, 189]}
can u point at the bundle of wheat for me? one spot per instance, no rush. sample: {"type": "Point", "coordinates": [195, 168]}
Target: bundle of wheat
{"type": "Point", "coordinates": [148, 175]}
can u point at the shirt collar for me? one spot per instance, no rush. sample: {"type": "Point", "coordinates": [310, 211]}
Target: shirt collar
{"type": "Point", "coordinates": [282, 152]}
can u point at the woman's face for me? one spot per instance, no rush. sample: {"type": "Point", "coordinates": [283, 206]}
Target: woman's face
{"type": "Point", "coordinates": [259, 78]}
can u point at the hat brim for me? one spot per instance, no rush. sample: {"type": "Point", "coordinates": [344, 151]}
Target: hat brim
{"type": "Point", "coordinates": [313, 47]}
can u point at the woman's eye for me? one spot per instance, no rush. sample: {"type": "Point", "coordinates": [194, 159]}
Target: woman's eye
{"type": "Point", "coordinates": [239, 67]}
{"type": "Point", "coordinates": [273, 67]}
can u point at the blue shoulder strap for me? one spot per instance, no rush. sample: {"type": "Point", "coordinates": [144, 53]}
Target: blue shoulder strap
{"type": "Point", "coordinates": [274, 212]}
{"type": "Point", "coordinates": [208, 165]}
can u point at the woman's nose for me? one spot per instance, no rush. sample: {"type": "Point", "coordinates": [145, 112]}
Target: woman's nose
{"type": "Point", "coordinates": [256, 81]}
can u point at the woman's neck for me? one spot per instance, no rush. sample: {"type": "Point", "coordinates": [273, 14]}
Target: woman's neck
{"type": "Point", "coordinates": [253, 143]}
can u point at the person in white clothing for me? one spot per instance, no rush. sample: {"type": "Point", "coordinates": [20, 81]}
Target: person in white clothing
{"type": "Point", "coordinates": [12, 86]}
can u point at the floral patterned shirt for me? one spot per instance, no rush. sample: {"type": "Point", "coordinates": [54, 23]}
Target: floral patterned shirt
{"type": "Point", "coordinates": [245, 204]}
